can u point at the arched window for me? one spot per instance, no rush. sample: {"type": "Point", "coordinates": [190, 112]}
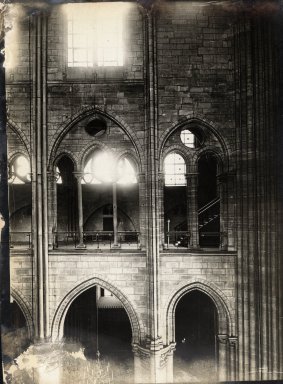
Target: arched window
{"type": "Point", "coordinates": [19, 172]}
{"type": "Point", "coordinates": [126, 172]}
{"type": "Point", "coordinates": [174, 170]}
{"type": "Point", "coordinates": [102, 167]}
{"type": "Point", "coordinates": [58, 176]}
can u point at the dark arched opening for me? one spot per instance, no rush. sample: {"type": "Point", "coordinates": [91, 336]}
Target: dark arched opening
{"type": "Point", "coordinates": [97, 320]}
{"type": "Point", "coordinates": [208, 202]}
{"type": "Point", "coordinates": [195, 334]}
{"type": "Point", "coordinates": [66, 199]}
{"type": "Point", "coordinates": [175, 200]}
{"type": "Point", "coordinates": [15, 339]}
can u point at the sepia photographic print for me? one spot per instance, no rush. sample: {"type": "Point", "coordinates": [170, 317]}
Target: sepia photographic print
{"type": "Point", "coordinates": [141, 185]}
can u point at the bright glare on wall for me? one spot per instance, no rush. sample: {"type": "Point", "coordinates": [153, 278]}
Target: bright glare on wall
{"type": "Point", "coordinates": [102, 167]}
{"type": "Point", "coordinates": [19, 172]}
{"type": "Point", "coordinates": [95, 34]}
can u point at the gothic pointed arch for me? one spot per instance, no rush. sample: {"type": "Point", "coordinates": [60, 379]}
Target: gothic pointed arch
{"type": "Point", "coordinates": [204, 125]}
{"type": "Point", "coordinates": [68, 154]}
{"type": "Point", "coordinates": [25, 309]}
{"type": "Point", "coordinates": [21, 135]}
{"type": "Point", "coordinates": [221, 302]}
{"type": "Point", "coordinates": [88, 112]}
{"type": "Point", "coordinates": [60, 314]}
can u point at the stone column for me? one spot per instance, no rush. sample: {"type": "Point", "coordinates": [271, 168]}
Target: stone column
{"type": "Point", "coordinates": [142, 209]}
{"type": "Point", "coordinates": [231, 212]}
{"type": "Point", "coordinates": [232, 357]}
{"type": "Point", "coordinates": [52, 203]}
{"type": "Point", "coordinates": [222, 193]}
{"type": "Point", "coordinates": [192, 209]}
{"type": "Point", "coordinates": [161, 209]}
{"type": "Point", "coordinates": [79, 176]}
{"type": "Point", "coordinates": [39, 151]}
{"type": "Point", "coordinates": [222, 357]}
{"type": "Point", "coordinates": [115, 215]}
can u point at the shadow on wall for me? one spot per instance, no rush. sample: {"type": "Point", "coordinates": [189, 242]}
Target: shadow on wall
{"type": "Point", "coordinates": [102, 220]}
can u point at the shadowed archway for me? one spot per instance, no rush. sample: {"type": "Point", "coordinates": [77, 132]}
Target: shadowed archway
{"type": "Point", "coordinates": [196, 356]}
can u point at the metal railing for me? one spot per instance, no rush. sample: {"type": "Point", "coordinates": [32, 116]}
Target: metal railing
{"type": "Point", "coordinates": [209, 213]}
{"type": "Point", "coordinates": [181, 239]}
{"type": "Point", "coordinates": [105, 239]}
{"type": "Point", "coordinates": [210, 239]}
{"type": "Point", "coordinates": [177, 239]}
{"type": "Point", "coordinates": [20, 239]}
{"type": "Point", "coordinates": [209, 205]}
{"type": "Point", "coordinates": [97, 239]}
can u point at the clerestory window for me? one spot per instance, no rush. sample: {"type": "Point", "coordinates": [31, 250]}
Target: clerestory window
{"type": "Point", "coordinates": [95, 35]}
{"type": "Point", "coordinates": [174, 170]}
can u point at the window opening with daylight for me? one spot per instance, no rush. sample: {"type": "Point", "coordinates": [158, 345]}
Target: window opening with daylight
{"type": "Point", "coordinates": [95, 35]}
{"type": "Point", "coordinates": [19, 172]}
{"type": "Point", "coordinates": [126, 172]}
{"type": "Point", "coordinates": [188, 138]}
{"type": "Point", "coordinates": [102, 167]}
{"type": "Point", "coordinates": [58, 176]}
{"type": "Point", "coordinates": [174, 170]}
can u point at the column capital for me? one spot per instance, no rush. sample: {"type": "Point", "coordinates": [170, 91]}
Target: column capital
{"type": "Point", "coordinates": [141, 177]}
{"type": "Point", "coordinates": [233, 341]}
{"type": "Point", "coordinates": [223, 339]}
{"type": "Point", "coordinates": [191, 178]}
{"type": "Point", "coordinates": [191, 175]}
{"type": "Point", "coordinates": [141, 352]}
{"type": "Point", "coordinates": [165, 353]}
{"type": "Point", "coordinates": [52, 175]}
{"type": "Point", "coordinates": [154, 366]}
{"type": "Point", "coordinates": [78, 175]}
{"type": "Point", "coordinates": [154, 344]}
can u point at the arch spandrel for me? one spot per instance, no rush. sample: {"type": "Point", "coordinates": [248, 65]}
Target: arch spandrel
{"type": "Point", "coordinates": [84, 113]}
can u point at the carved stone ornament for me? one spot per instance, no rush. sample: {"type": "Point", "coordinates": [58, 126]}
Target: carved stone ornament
{"type": "Point", "coordinates": [168, 351]}
{"type": "Point", "coordinates": [222, 339]}
{"type": "Point", "coordinates": [233, 340]}
{"type": "Point", "coordinates": [141, 352]}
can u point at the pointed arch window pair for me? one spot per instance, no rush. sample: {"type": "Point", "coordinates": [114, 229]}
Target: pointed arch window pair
{"type": "Point", "coordinates": [103, 168]}
{"type": "Point", "coordinates": [174, 164]}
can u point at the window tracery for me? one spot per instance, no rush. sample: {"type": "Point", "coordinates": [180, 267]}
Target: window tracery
{"type": "Point", "coordinates": [174, 170]}
{"type": "Point", "coordinates": [19, 171]}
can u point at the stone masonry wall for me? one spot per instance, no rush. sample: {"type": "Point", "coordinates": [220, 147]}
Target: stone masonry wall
{"type": "Point", "coordinates": [195, 65]}
{"type": "Point", "coordinates": [127, 272]}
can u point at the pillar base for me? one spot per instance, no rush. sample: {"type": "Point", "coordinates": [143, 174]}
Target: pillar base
{"type": "Point", "coordinates": [194, 247]}
{"type": "Point", "coordinates": [116, 246]}
{"type": "Point", "coordinates": [81, 246]}
{"type": "Point", "coordinates": [153, 365]}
